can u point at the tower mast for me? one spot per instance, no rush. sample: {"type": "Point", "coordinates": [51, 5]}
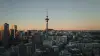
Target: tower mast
{"type": "Point", "coordinates": [47, 19]}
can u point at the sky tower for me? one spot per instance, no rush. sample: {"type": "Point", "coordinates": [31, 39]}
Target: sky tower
{"type": "Point", "coordinates": [47, 19]}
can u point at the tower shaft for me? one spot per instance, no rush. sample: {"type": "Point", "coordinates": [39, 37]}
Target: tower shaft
{"type": "Point", "coordinates": [46, 29]}
{"type": "Point", "coordinates": [47, 19]}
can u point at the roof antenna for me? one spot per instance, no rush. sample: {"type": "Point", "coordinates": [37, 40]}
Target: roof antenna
{"type": "Point", "coordinates": [47, 13]}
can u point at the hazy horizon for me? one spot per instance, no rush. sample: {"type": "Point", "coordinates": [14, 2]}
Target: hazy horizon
{"type": "Point", "coordinates": [63, 14]}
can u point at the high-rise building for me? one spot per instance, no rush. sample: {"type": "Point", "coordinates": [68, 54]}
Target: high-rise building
{"type": "Point", "coordinates": [15, 27]}
{"type": "Point", "coordinates": [6, 36]}
{"type": "Point", "coordinates": [0, 35]}
{"type": "Point", "coordinates": [21, 33]}
{"type": "Point", "coordinates": [36, 42]}
{"type": "Point", "coordinates": [33, 45]}
{"type": "Point", "coordinates": [22, 50]}
{"type": "Point", "coordinates": [13, 31]}
{"type": "Point", "coordinates": [12, 34]}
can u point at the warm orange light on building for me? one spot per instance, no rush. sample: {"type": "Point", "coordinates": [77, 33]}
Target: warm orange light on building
{"type": "Point", "coordinates": [1, 27]}
{"type": "Point", "coordinates": [0, 35]}
{"type": "Point", "coordinates": [12, 26]}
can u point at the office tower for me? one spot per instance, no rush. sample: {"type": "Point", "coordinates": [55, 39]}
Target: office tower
{"type": "Point", "coordinates": [22, 50]}
{"type": "Point", "coordinates": [0, 35]}
{"type": "Point", "coordinates": [17, 35]}
{"type": "Point", "coordinates": [29, 50]}
{"type": "Point", "coordinates": [47, 19]}
{"type": "Point", "coordinates": [29, 32]}
{"type": "Point", "coordinates": [21, 34]}
{"type": "Point", "coordinates": [12, 34]}
{"type": "Point", "coordinates": [15, 30]}
{"type": "Point", "coordinates": [37, 42]}
{"type": "Point", "coordinates": [33, 45]}
{"type": "Point", "coordinates": [15, 27]}
{"type": "Point", "coordinates": [1, 32]}
{"type": "Point", "coordinates": [6, 36]}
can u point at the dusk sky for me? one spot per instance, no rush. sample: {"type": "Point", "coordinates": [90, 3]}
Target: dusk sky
{"type": "Point", "coordinates": [63, 14]}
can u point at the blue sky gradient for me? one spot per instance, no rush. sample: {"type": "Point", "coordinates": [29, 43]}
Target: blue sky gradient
{"type": "Point", "coordinates": [63, 14]}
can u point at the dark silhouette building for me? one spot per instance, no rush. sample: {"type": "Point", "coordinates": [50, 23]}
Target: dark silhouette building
{"type": "Point", "coordinates": [13, 54]}
{"type": "Point", "coordinates": [0, 35]}
{"type": "Point", "coordinates": [22, 50]}
{"type": "Point", "coordinates": [15, 31]}
{"type": "Point", "coordinates": [33, 45]}
{"type": "Point", "coordinates": [36, 42]}
{"type": "Point", "coordinates": [6, 36]}
{"type": "Point", "coordinates": [12, 34]}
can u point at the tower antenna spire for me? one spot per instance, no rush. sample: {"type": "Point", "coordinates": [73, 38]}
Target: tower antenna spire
{"type": "Point", "coordinates": [47, 12]}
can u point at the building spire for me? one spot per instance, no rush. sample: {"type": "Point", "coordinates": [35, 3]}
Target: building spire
{"type": "Point", "coordinates": [47, 12]}
{"type": "Point", "coordinates": [47, 19]}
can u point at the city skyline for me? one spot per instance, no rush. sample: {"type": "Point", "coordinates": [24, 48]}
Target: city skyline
{"type": "Point", "coordinates": [63, 14]}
